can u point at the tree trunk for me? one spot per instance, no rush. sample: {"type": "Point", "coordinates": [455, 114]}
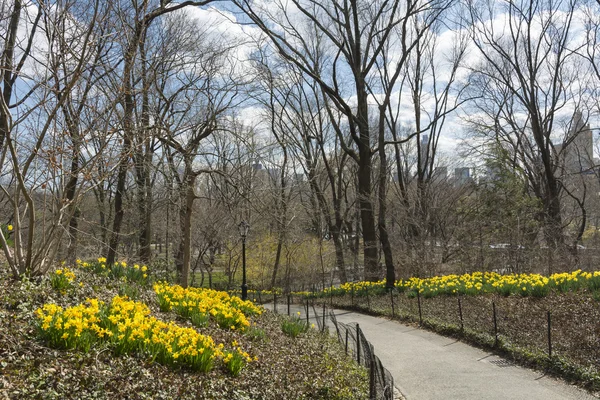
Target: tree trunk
{"type": "Point", "coordinates": [367, 216]}
{"type": "Point", "coordinates": [339, 253]}
{"type": "Point", "coordinates": [277, 259]}
{"type": "Point", "coordinates": [185, 216]}
{"type": "Point", "coordinates": [7, 64]}
{"type": "Point", "coordinates": [365, 201]}
{"type": "Point", "coordinates": [143, 164]}
{"type": "Point", "coordinates": [70, 196]}
{"type": "Point", "coordinates": [119, 211]}
{"type": "Point", "coordinates": [390, 276]}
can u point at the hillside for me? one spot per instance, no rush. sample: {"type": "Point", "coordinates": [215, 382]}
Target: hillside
{"type": "Point", "coordinates": [273, 365]}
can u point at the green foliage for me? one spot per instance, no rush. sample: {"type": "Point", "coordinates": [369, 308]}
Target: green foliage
{"type": "Point", "coordinates": [293, 326]}
{"type": "Point", "coordinates": [129, 290]}
{"type": "Point", "coordinates": [199, 319]}
{"type": "Point", "coordinates": [7, 232]}
{"type": "Point", "coordinates": [234, 361]}
{"type": "Point", "coordinates": [62, 279]}
{"type": "Point", "coordinates": [255, 333]}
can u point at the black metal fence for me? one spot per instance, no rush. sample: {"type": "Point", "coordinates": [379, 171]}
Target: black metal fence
{"type": "Point", "coordinates": [553, 329]}
{"type": "Point", "coordinates": [381, 383]}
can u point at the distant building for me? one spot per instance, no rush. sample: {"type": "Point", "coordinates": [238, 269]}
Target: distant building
{"type": "Point", "coordinates": [462, 175]}
{"type": "Point", "coordinates": [440, 174]}
{"type": "Point", "coordinates": [578, 149]}
{"type": "Point", "coordinates": [492, 174]}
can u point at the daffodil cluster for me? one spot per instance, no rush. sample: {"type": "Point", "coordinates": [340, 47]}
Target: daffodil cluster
{"type": "Point", "coordinates": [133, 330]}
{"type": "Point", "coordinates": [356, 288]}
{"type": "Point", "coordinates": [236, 358]}
{"type": "Point", "coordinates": [97, 266]}
{"type": "Point", "coordinates": [118, 270]}
{"type": "Point", "coordinates": [309, 294]}
{"type": "Point", "coordinates": [62, 279]}
{"type": "Point", "coordinates": [479, 283]}
{"type": "Point", "coordinates": [198, 305]}
{"type": "Point", "coordinates": [128, 326]}
{"type": "Point", "coordinates": [72, 328]}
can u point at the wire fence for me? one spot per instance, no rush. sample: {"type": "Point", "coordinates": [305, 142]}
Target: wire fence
{"type": "Point", "coordinates": [381, 382]}
{"type": "Point", "coordinates": [554, 329]}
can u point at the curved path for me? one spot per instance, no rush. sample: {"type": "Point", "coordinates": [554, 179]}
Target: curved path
{"type": "Point", "coordinates": [427, 366]}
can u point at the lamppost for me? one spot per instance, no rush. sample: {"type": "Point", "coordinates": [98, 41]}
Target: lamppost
{"type": "Point", "coordinates": [243, 227]}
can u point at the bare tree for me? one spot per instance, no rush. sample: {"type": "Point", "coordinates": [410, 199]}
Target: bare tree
{"type": "Point", "coordinates": [529, 78]}
{"type": "Point", "coordinates": [195, 97]}
{"type": "Point", "coordinates": [142, 16]}
{"type": "Point", "coordinates": [431, 86]}
{"type": "Point", "coordinates": [41, 181]}
{"type": "Point", "coordinates": [350, 37]}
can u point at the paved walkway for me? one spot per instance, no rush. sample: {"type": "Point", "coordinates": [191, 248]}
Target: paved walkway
{"type": "Point", "coordinates": [427, 366]}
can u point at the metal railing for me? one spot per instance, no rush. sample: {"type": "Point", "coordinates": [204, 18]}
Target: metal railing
{"type": "Point", "coordinates": [381, 382]}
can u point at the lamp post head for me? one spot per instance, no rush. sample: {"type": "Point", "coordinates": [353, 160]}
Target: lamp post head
{"type": "Point", "coordinates": [243, 228]}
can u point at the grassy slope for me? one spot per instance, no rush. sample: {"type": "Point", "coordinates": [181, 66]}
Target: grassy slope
{"type": "Point", "coordinates": [311, 366]}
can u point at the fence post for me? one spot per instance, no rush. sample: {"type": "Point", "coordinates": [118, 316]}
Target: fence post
{"type": "Point", "coordinates": [549, 336]}
{"type": "Point", "coordinates": [462, 325]}
{"type": "Point", "coordinates": [274, 302]}
{"type": "Point", "coordinates": [259, 298]}
{"type": "Point", "coordinates": [372, 391]}
{"type": "Point", "coordinates": [288, 303]}
{"type": "Point", "coordinates": [307, 323]}
{"type": "Point", "coordinates": [358, 344]}
{"type": "Point", "coordinates": [392, 297]}
{"type": "Point", "coordinates": [323, 328]}
{"type": "Point", "coordinates": [419, 304]}
{"type": "Point", "coordinates": [347, 332]}
{"type": "Point", "coordinates": [495, 325]}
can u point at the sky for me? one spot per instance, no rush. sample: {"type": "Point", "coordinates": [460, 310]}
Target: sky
{"type": "Point", "coordinates": [224, 25]}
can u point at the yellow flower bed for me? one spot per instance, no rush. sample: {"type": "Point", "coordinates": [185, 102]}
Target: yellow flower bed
{"type": "Point", "coordinates": [199, 305]}
{"type": "Point", "coordinates": [120, 269]}
{"type": "Point", "coordinates": [72, 328]}
{"type": "Point", "coordinates": [128, 326]}
{"type": "Point", "coordinates": [480, 282]}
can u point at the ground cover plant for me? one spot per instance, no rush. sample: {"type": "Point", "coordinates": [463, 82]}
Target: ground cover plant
{"type": "Point", "coordinates": [91, 342]}
{"type": "Point", "coordinates": [525, 305]}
